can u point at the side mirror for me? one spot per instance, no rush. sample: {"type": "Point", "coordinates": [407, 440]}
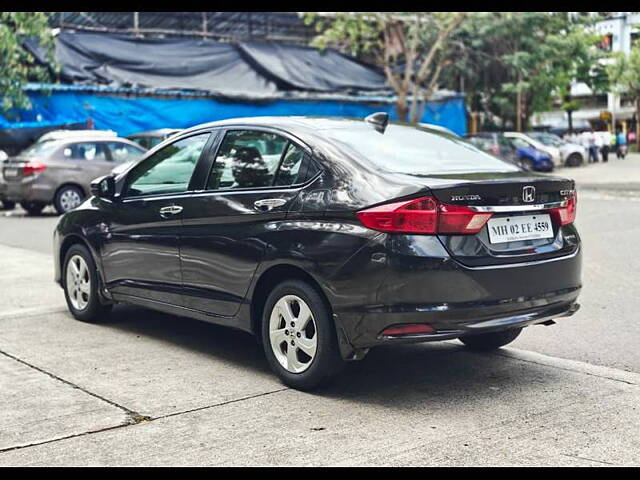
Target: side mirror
{"type": "Point", "coordinates": [104, 187]}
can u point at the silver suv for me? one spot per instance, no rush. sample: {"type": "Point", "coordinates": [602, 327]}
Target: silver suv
{"type": "Point", "coordinates": [58, 170]}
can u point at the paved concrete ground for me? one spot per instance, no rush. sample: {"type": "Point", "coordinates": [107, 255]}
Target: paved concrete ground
{"type": "Point", "coordinates": [153, 389]}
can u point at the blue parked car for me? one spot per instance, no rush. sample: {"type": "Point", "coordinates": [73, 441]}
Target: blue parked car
{"type": "Point", "coordinates": [513, 150]}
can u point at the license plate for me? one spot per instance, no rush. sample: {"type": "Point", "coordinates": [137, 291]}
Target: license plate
{"type": "Point", "coordinates": [525, 227]}
{"type": "Point", "coordinates": [10, 172]}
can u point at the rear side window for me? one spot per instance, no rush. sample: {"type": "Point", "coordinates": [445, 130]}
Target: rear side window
{"type": "Point", "coordinates": [415, 151]}
{"type": "Point", "coordinates": [247, 159]}
{"type": "Point", "coordinates": [45, 148]}
{"type": "Point", "coordinates": [293, 169]}
{"type": "Point", "coordinates": [92, 151]}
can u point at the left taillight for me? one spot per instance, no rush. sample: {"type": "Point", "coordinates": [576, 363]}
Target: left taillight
{"type": "Point", "coordinates": [567, 214]}
{"type": "Point", "coordinates": [424, 215]}
{"type": "Point", "coordinates": [31, 168]}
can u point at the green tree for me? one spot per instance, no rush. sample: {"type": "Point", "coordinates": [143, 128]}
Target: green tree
{"type": "Point", "coordinates": [514, 64]}
{"type": "Point", "coordinates": [625, 77]}
{"type": "Point", "coordinates": [17, 65]}
{"type": "Point", "coordinates": [412, 48]}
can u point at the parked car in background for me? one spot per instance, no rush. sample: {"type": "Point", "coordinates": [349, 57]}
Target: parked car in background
{"type": "Point", "coordinates": [151, 138]}
{"type": "Point", "coordinates": [572, 154]}
{"type": "Point", "coordinates": [58, 170]}
{"type": "Point", "coordinates": [64, 134]}
{"type": "Point", "coordinates": [494, 143]}
{"type": "Point", "coordinates": [4, 204]}
{"type": "Point", "coordinates": [553, 151]}
{"type": "Point", "coordinates": [325, 238]}
{"type": "Point", "coordinates": [512, 150]}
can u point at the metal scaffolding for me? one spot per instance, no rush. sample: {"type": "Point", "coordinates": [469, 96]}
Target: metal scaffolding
{"type": "Point", "coordinates": [232, 26]}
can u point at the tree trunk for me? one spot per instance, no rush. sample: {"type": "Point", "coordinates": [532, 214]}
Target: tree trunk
{"type": "Point", "coordinates": [570, 120]}
{"type": "Point", "coordinates": [401, 106]}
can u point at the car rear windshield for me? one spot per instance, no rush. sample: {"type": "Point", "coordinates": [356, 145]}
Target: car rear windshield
{"type": "Point", "coordinates": [416, 151]}
{"type": "Point", "coordinates": [44, 148]}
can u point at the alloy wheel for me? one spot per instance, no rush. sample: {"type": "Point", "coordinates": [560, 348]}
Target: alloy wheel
{"type": "Point", "coordinates": [70, 199]}
{"type": "Point", "coordinates": [293, 333]}
{"type": "Point", "coordinates": [78, 282]}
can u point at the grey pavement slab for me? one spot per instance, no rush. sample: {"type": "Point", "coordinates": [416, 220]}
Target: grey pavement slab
{"type": "Point", "coordinates": [35, 407]}
{"type": "Point", "coordinates": [418, 405]}
{"type": "Point", "coordinates": [150, 363]}
{"type": "Point", "coordinates": [26, 282]}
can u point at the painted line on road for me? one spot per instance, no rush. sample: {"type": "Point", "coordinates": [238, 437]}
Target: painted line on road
{"type": "Point", "coordinates": [609, 373]}
{"type": "Point", "coordinates": [32, 312]}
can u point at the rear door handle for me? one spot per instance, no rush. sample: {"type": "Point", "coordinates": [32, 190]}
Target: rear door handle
{"type": "Point", "coordinates": [268, 204]}
{"type": "Point", "coordinates": [169, 211]}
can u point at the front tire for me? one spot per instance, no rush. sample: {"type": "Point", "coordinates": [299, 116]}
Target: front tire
{"type": "Point", "coordinates": [80, 281]}
{"type": "Point", "coordinates": [491, 340]}
{"type": "Point", "coordinates": [8, 205]}
{"type": "Point", "coordinates": [299, 336]}
{"type": "Point", "coordinates": [67, 198]}
{"type": "Point", "coordinates": [528, 164]}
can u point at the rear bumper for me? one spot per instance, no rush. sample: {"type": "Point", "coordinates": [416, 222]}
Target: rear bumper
{"type": "Point", "coordinates": [449, 330]}
{"type": "Point", "coordinates": [424, 285]}
{"type": "Point", "coordinates": [26, 191]}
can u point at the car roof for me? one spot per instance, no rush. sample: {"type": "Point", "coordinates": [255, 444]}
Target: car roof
{"type": "Point", "coordinates": [98, 138]}
{"type": "Point", "coordinates": [285, 123]}
{"type": "Point", "coordinates": [307, 128]}
{"type": "Point", "coordinates": [64, 134]}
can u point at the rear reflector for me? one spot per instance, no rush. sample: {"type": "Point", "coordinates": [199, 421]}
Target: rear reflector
{"type": "Point", "coordinates": [424, 215]}
{"type": "Point", "coordinates": [30, 168]}
{"type": "Point", "coordinates": [566, 215]}
{"type": "Point", "coordinates": [408, 329]}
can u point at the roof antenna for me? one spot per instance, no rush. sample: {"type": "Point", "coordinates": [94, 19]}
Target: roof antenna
{"type": "Point", "coordinates": [379, 120]}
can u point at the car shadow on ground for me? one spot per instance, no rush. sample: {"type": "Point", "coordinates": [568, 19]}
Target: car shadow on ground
{"type": "Point", "coordinates": [398, 377]}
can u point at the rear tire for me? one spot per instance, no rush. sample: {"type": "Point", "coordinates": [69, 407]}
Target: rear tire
{"type": "Point", "coordinates": [8, 205]}
{"type": "Point", "coordinates": [67, 198]}
{"type": "Point", "coordinates": [80, 282]}
{"type": "Point", "coordinates": [32, 208]}
{"type": "Point", "coordinates": [490, 341]}
{"type": "Point", "coordinates": [306, 355]}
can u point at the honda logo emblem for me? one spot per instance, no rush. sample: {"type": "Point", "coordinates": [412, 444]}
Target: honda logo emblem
{"type": "Point", "coordinates": [529, 194]}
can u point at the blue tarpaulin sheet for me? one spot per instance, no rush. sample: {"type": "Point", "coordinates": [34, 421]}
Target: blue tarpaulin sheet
{"type": "Point", "coordinates": [128, 115]}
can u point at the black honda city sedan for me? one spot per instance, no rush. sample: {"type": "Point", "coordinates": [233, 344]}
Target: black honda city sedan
{"type": "Point", "coordinates": [326, 237]}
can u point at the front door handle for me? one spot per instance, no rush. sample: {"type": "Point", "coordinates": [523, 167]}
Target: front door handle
{"type": "Point", "coordinates": [169, 211]}
{"type": "Point", "coordinates": [268, 204]}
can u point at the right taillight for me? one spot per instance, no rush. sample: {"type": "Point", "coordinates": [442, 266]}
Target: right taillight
{"type": "Point", "coordinates": [425, 215]}
{"type": "Point", "coordinates": [30, 168]}
{"type": "Point", "coordinates": [567, 214]}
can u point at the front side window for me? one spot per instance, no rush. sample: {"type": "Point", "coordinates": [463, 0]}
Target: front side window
{"type": "Point", "coordinates": [167, 171]}
{"type": "Point", "coordinates": [247, 159]}
{"type": "Point", "coordinates": [123, 152]}
{"type": "Point", "coordinates": [92, 151]}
